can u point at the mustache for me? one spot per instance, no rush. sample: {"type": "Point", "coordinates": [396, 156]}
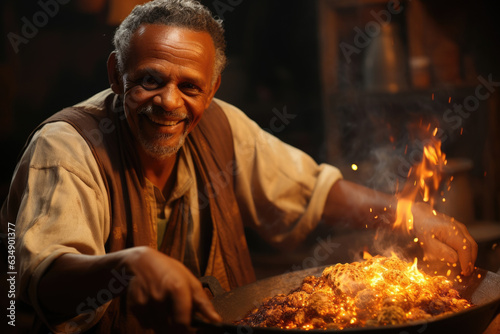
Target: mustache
{"type": "Point", "coordinates": [151, 110]}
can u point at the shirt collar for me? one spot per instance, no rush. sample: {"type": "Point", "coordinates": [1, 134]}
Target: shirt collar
{"type": "Point", "coordinates": [183, 180]}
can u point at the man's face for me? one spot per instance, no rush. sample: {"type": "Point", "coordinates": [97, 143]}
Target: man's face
{"type": "Point", "coordinates": [167, 83]}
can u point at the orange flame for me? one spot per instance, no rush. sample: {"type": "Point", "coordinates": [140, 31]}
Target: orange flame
{"type": "Point", "coordinates": [424, 179]}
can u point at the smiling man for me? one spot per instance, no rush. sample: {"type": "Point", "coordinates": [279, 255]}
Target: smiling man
{"type": "Point", "coordinates": [167, 85]}
{"type": "Point", "coordinates": [112, 230]}
{"type": "Point", "coordinates": [167, 82]}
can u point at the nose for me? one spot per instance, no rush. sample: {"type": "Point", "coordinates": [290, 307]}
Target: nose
{"type": "Point", "coordinates": [169, 98]}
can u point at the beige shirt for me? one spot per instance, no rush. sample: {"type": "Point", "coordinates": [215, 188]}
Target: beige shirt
{"type": "Point", "coordinates": [281, 192]}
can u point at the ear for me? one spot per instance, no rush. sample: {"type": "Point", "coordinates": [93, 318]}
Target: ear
{"type": "Point", "coordinates": [214, 90]}
{"type": "Point", "coordinates": [114, 75]}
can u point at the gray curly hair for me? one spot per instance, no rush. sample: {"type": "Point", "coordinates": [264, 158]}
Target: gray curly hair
{"type": "Point", "coordinates": [179, 13]}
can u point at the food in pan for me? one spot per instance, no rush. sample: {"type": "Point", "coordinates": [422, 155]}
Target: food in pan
{"type": "Point", "coordinates": [379, 291]}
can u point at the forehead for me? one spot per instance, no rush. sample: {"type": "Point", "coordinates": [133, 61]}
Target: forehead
{"type": "Point", "coordinates": [177, 45]}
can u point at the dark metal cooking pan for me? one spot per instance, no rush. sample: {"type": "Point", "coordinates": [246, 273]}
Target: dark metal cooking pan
{"type": "Point", "coordinates": [482, 288]}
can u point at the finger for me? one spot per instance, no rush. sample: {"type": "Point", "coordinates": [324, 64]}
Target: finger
{"type": "Point", "coordinates": [461, 243]}
{"type": "Point", "coordinates": [436, 250]}
{"type": "Point", "coordinates": [204, 306]}
{"type": "Point", "coordinates": [181, 304]}
{"type": "Point", "coordinates": [470, 250]}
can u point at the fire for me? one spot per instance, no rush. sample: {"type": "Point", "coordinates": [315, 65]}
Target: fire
{"type": "Point", "coordinates": [376, 292]}
{"type": "Point", "coordinates": [424, 179]}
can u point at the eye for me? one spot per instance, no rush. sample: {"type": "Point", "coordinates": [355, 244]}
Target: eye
{"type": "Point", "coordinates": [189, 88]}
{"type": "Point", "coordinates": [150, 82]}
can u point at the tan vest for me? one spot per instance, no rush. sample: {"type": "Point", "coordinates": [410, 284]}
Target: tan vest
{"type": "Point", "coordinates": [106, 131]}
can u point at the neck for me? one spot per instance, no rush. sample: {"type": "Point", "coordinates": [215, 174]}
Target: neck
{"type": "Point", "coordinates": [159, 171]}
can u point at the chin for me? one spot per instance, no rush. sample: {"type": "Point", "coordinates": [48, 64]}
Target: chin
{"type": "Point", "coordinates": [161, 152]}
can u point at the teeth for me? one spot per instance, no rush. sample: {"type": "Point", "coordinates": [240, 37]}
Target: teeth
{"type": "Point", "coordinates": [162, 122]}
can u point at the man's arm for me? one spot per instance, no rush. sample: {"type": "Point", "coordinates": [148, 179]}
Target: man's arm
{"type": "Point", "coordinates": [61, 226]}
{"type": "Point", "coordinates": [160, 290]}
{"type": "Point", "coordinates": [441, 236]}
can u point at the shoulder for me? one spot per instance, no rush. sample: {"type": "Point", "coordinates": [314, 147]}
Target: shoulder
{"type": "Point", "coordinates": [238, 120]}
{"type": "Point", "coordinates": [230, 110]}
{"type": "Point", "coordinates": [97, 101]}
{"type": "Point", "coordinates": [59, 144]}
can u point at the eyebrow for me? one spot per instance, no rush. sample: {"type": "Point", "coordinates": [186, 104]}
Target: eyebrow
{"type": "Point", "coordinates": [141, 72]}
{"type": "Point", "coordinates": [146, 71]}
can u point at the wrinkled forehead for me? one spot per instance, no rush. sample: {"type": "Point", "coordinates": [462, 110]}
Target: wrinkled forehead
{"type": "Point", "coordinates": [171, 43]}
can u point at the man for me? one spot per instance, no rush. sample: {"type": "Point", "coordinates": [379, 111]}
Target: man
{"type": "Point", "coordinates": [121, 201]}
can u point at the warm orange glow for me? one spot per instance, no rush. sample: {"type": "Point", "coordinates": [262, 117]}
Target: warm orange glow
{"type": "Point", "coordinates": [424, 179]}
{"type": "Point", "coordinates": [376, 292]}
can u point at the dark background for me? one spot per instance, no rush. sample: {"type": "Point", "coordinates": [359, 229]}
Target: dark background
{"type": "Point", "coordinates": [274, 63]}
{"type": "Point", "coordinates": [274, 54]}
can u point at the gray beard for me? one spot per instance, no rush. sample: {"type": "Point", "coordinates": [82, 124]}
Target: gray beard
{"type": "Point", "coordinates": [159, 151]}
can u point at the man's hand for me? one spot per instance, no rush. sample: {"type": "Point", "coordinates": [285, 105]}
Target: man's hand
{"type": "Point", "coordinates": [164, 294]}
{"type": "Point", "coordinates": [443, 238]}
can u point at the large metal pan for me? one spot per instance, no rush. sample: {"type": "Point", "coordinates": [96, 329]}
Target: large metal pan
{"type": "Point", "coordinates": [482, 288]}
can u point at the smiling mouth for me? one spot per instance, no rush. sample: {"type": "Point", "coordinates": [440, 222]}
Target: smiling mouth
{"type": "Point", "coordinates": [163, 122]}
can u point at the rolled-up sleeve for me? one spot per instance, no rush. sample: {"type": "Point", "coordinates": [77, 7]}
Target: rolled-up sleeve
{"type": "Point", "coordinates": [281, 191]}
{"type": "Point", "coordinates": [63, 209]}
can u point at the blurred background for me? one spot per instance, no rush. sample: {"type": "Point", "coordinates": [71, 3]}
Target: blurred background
{"type": "Point", "coordinates": [362, 81]}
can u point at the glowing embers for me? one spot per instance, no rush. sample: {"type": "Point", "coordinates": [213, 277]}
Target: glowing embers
{"type": "Point", "coordinates": [379, 291]}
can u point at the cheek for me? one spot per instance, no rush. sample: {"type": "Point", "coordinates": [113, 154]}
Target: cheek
{"type": "Point", "coordinates": [196, 117]}
{"type": "Point", "coordinates": [132, 102]}
{"type": "Point", "coordinates": [135, 97]}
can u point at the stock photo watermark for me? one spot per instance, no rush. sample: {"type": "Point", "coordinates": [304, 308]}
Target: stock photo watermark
{"type": "Point", "coordinates": [371, 30]}
{"type": "Point", "coordinates": [11, 274]}
{"type": "Point", "coordinates": [279, 121]}
{"type": "Point", "coordinates": [92, 305]}
{"type": "Point", "coordinates": [452, 119]}
{"type": "Point", "coordinates": [30, 27]}
{"type": "Point", "coordinates": [222, 7]}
